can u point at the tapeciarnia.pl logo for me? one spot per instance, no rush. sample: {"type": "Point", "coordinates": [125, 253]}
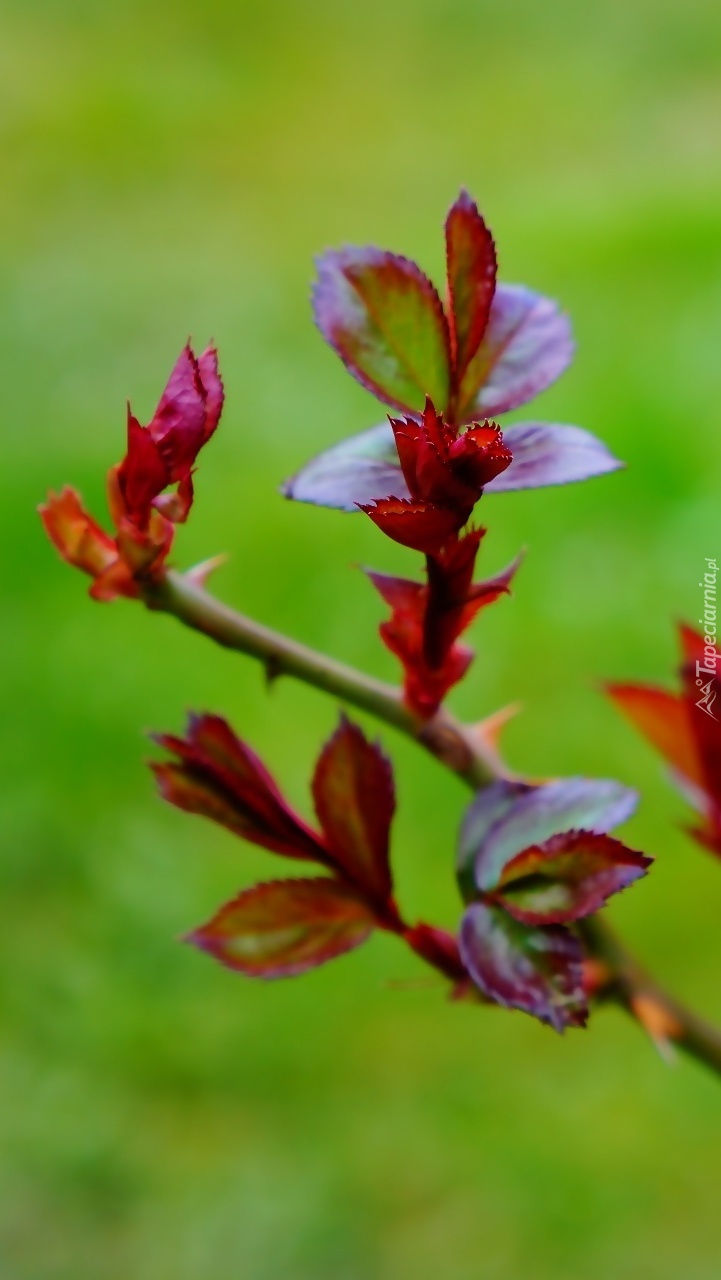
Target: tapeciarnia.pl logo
{"type": "Point", "coordinates": [710, 652]}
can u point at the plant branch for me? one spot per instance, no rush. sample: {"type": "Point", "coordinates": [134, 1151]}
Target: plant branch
{"type": "Point", "coordinates": [444, 736]}
{"type": "Point", "coordinates": [459, 749]}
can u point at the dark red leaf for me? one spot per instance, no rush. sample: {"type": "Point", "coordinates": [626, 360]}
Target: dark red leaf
{"type": "Point", "coordinates": [537, 970]}
{"type": "Point", "coordinates": [143, 473]}
{"type": "Point", "coordinates": [443, 467]}
{"type": "Point", "coordinates": [424, 687]}
{"type": "Point", "coordinates": [355, 801]}
{"type": "Point", "coordinates": [219, 777]}
{"type": "Point", "coordinates": [567, 877]}
{"type": "Point", "coordinates": [454, 599]}
{"type": "Point", "coordinates": [422, 526]}
{"type": "Point", "coordinates": [178, 424]}
{"type": "Point", "coordinates": [285, 927]}
{"type": "Point", "coordinates": [164, 452]}
{"type": "Point", "coordinates": [471, 266]}
{"type": "Point", "coordinates": [213, 388]}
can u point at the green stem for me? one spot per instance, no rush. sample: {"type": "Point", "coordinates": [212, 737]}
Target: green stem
{"type": "Point", "coordinates": [459, 749]}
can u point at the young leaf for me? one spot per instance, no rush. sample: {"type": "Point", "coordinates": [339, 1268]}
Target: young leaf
{"type": "Point", "coordinates": [539, 971]}
{"type": "Point", "coordinates": [567, 877]}
{"type": "Point", "coordinates": [443, 467]}
{"type": "Point", "coordinates": [545, 453]}
{"type": "Point", "coordinates": [403, 633]}
{"type": "Point", "coordinates": [355, 801]}
{"type": "Point", "coordinates": [526, 346]}
{"type": "Point", "coordinates": [218, 777]}
{"type": "Point", "coordinates": [285, 927]}
{"type": "Point", "coordinates": [490, 805]}
{"type": "Point", "coordinates": [454, 600]}
{"type": "Point", "coordinates": [421, 526]}
{"type": "Point", "coordinates": [386, 322]}
{"type": "Point", "coordinates": [540, 812]}
{"type": "Point", "coordinates": [79, 539]}
{"type": "Point", "coordinates": [471, 266]}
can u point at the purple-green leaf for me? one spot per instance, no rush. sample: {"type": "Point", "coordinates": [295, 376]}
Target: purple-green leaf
{"type": "Point", "coordinates": [534, 816]}
{"type": "Point", "coordinates": [547, 453]}
{"type": "Point", "coordinates": [567, 877]}
{"type": "Point", "coordinates": [489, 806]}
{"type": "Point", "coordinates": [386, 321]}
{"type": "Point", "coordinates": [358, 470]}
{"type": "Point", "coordinates": [365, 467]}
{"type": "Point", "coordinates": [285, 927]}
{"type": "Point", "coordinates": [526, 346]}
{"type": "Point", "coordinates": [536, 970]}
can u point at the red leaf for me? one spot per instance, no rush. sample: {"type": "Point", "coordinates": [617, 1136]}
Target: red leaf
{"type": "Point", "coordinates": [164, 452]}
{"type": "Point", "coordinates": [285, 927]}
{"type": "Point", "coordinates": [213, 387]}
{"type": "Point", "coordinates": [664, 720]}
{"type": "Point", "coordinates": [424, 687]}
{"type": "Point", "coordinates": [422, 526]}
{"type": "Point", "coordinates": [471, 265]}
{"type": "Point", "coordinates": [443, 467]}
{"type": "Point", "coordinates": [567, 877]}
{"type": "Point", "coordinates": [386, 322]}
{"type": "Point", "coordinates": [219, 777]}
{"type": "Point", "coordinates": [143, 473]}
{"type": "Point", "coordinates": [178, 424]}
{"type": "Point", "coordinates": [355, 801]}
{"type": "Point", "coordinates": [453, 599]}
{"type": "Point", "coordinates": [539, 971]}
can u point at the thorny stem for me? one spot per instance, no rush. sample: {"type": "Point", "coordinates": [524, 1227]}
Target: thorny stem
{"type": "Point", "coordinates": [622, 979]}
{"type": "Point", "coordinates": [443, 735]}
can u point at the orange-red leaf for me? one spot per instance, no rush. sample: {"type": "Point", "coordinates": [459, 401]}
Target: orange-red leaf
{"type": "Point", "coordinates": [664, 721]}
{"type": "Point", "coordinates": [80, 541]}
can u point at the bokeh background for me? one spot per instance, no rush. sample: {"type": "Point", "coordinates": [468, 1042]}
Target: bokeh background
{"type": "Point", "coordinates": [171, 169]}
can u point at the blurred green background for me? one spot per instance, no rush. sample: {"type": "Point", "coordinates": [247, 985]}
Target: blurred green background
{"type": "Point", "coordinates": [171, 169]}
